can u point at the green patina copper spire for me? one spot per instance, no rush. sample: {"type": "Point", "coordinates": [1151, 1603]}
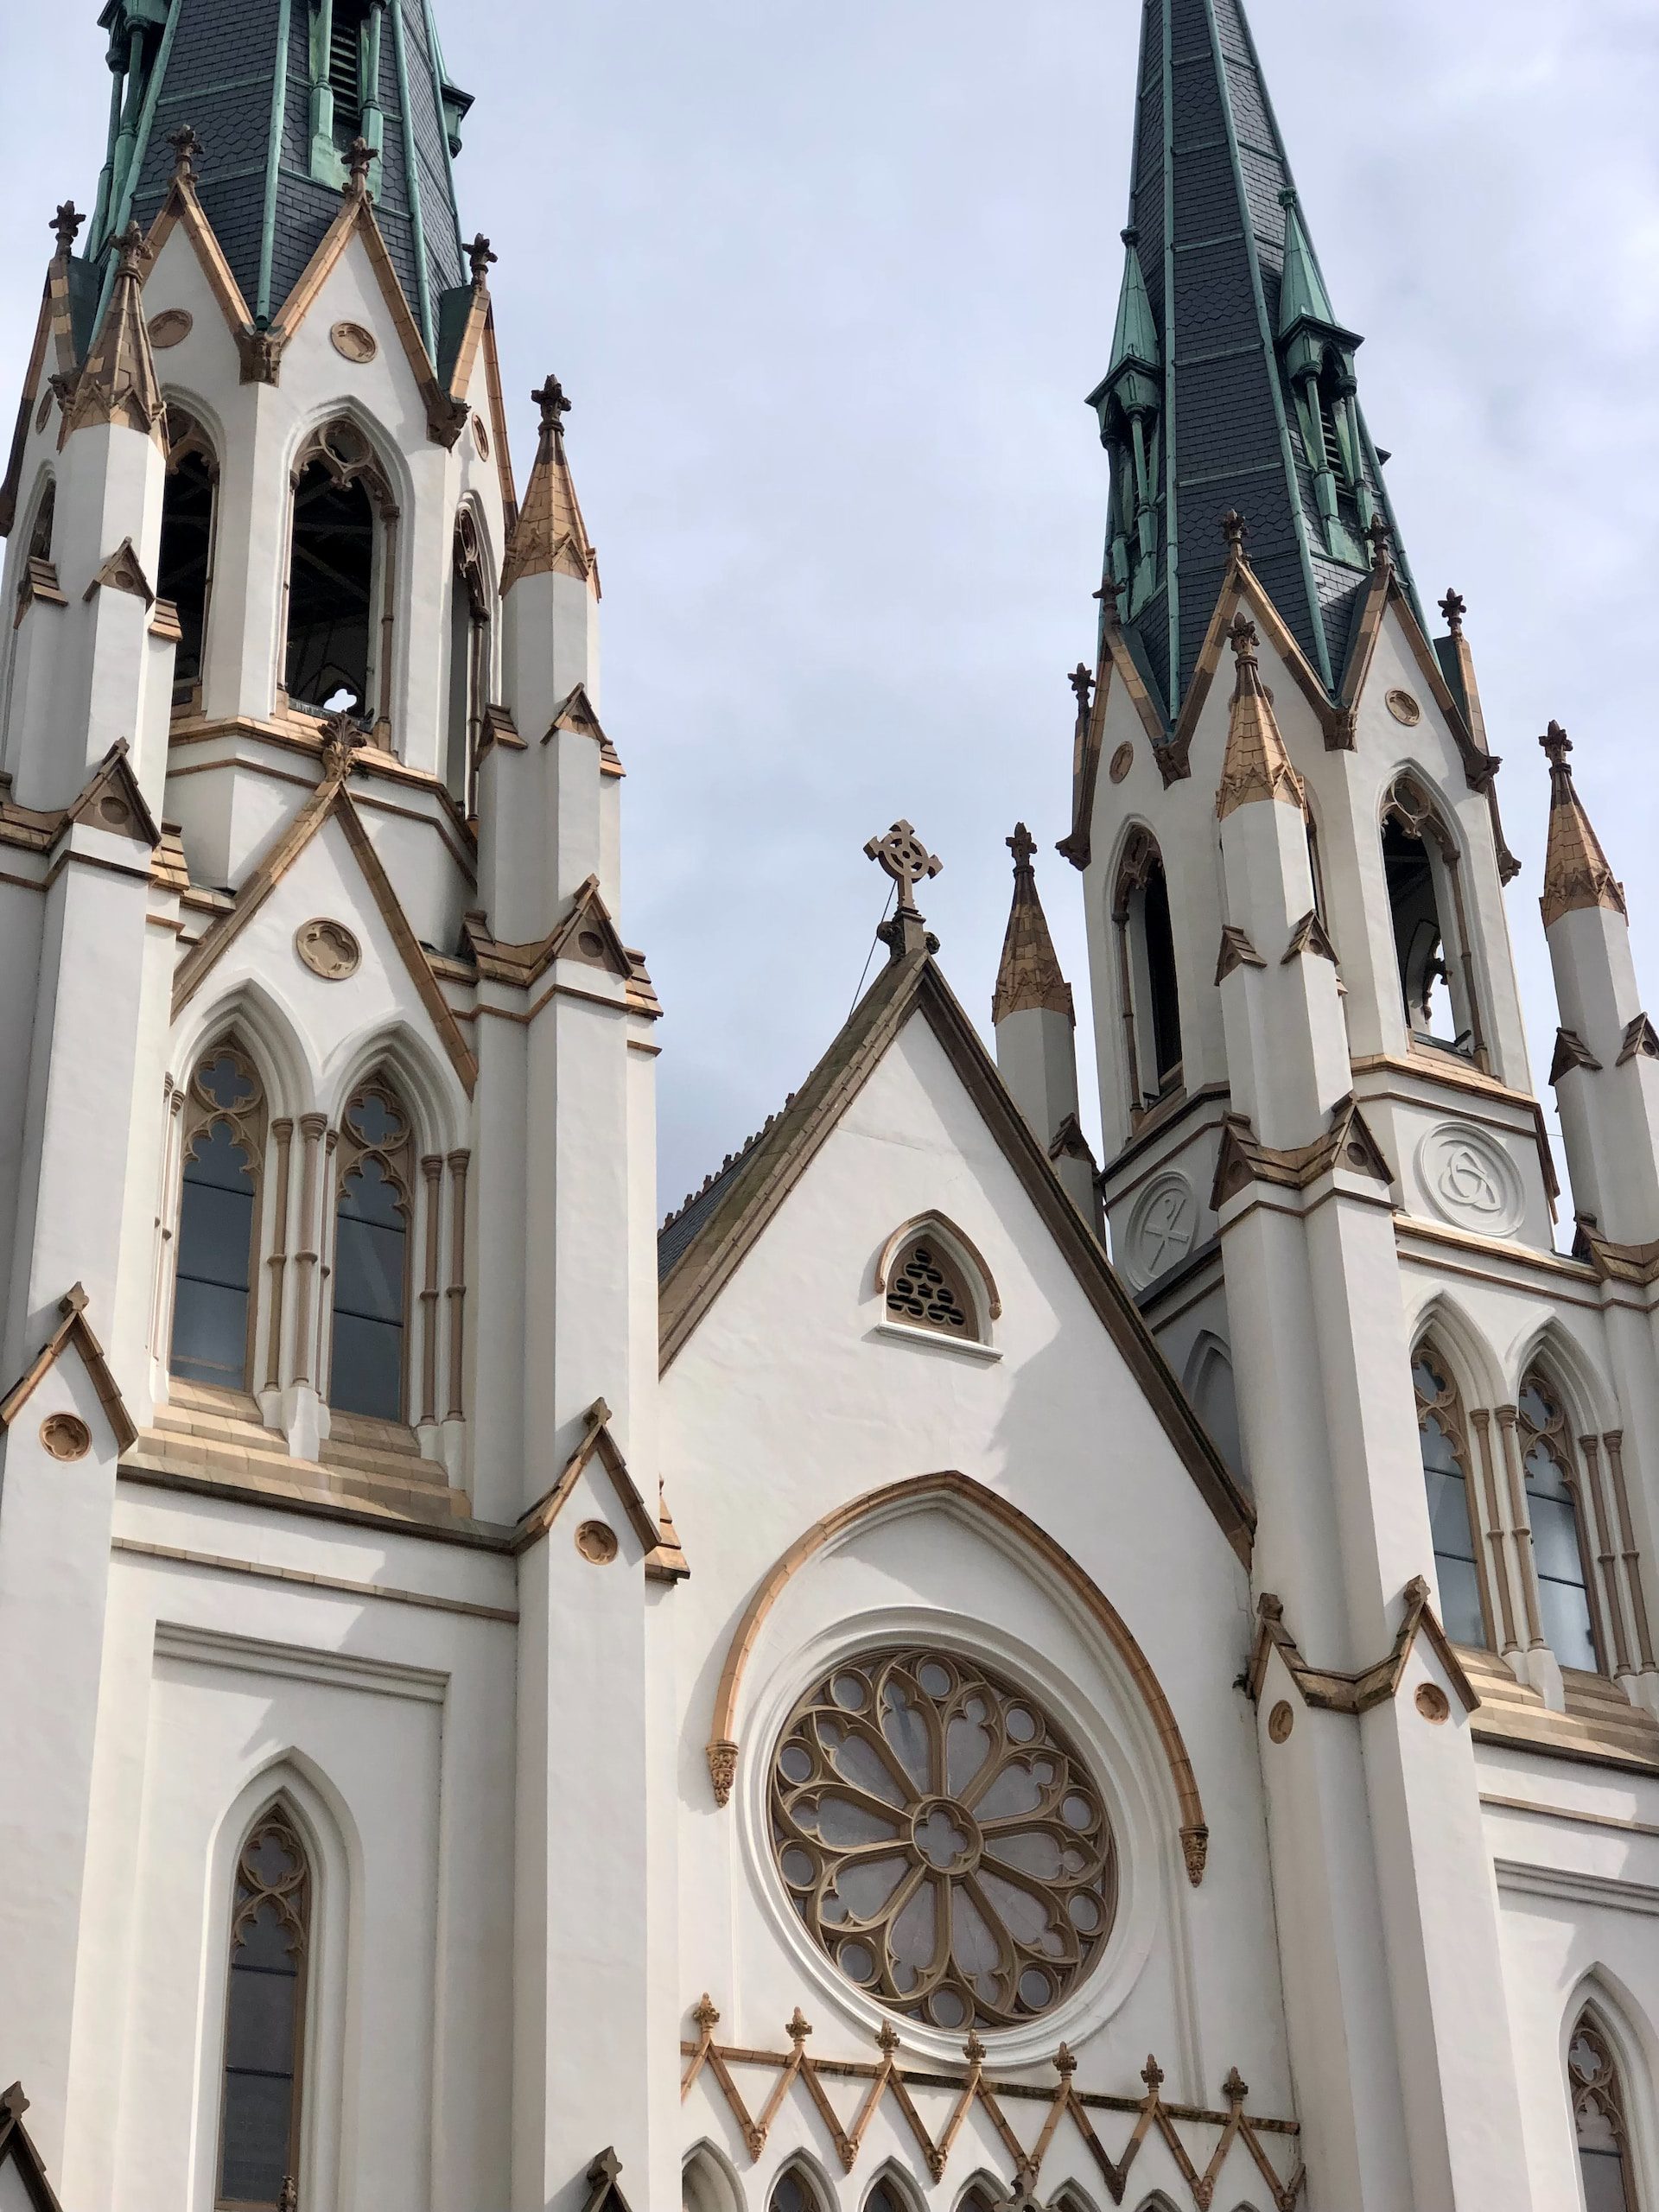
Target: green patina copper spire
{"type": "Point", "coordinates": [1232, 384]}
{"type": "Point", "coordinates": [275, 90]}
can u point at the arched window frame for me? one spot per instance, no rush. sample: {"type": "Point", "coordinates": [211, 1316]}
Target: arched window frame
{"type": "Point", "coordinates": [1148, 1085]}
{"type": "Point", "coordinates": [470, 682]}
{"type": "Point", "coordinates": [43, 521]}
{"type": "Point", "coordinates": [343, 449]}
{"type": "Point", "coordinates": [971, 1278]}
{"type": "Point", "coordinates": [1410, 805]}
{"type": "Point", "coordinates": [1554, 1437]}
{"type": "Point", "coordinates": [294, 1899]}
{"type": "Point", "coordinates": [187, 441]}
{"type": "Point", "coordinates": [249, 1126]}
{"type": "Point", "coordinates": [1598, 2093]}
{"type": "Point", "coordinates": [890, 2191]}
{"type": "Point", "coordinates": [1444, 1405]}
{"type": "Point", "coordinates": [800, 2171]}
{"type": "Point", "coordinates": [397, 1159]}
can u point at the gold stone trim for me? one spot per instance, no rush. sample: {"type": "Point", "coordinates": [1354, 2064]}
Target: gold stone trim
{"type": "Point", "coordinates": [873, 2081]}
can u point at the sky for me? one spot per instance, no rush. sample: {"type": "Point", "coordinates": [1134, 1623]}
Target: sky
{"type": "Point", "coordinates": [827, 286]}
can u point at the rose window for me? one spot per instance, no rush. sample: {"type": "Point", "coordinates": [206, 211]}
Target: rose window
{"type": "Point", "coordinates": [941, 1839]}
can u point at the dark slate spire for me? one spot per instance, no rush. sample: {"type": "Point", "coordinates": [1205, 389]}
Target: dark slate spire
{"type": "Point", "coordinates": [1232, 384]}
{"type": "Point", "coordinates": [275, 90]}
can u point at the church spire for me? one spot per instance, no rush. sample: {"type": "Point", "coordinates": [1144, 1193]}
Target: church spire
{"type": "Point", "coordinates": [308, 76]}
{"type": "Point", "coordinates": [1237, 388]}
{"type": "Point", "coordinates": [1256, 765]}
{"type": "Point", "coordinates": [549, 536]}
{"type": "Point", "coordinates": [1029, 975]}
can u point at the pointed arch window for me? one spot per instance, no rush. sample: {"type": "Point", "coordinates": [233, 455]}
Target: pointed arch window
{"type": "Point", "coordinates": [219, 1222]}
{"type": "Point", "coordinates": [184, 570]}
{"type": "Point", "coordinates": [1149, 993]}
{"type": "Point", "coordinates": [1442, 1435]}
{"type": "Point", "coordinates": [341, 573]}
{"type": "Point", "coordinates": [1559, 1553]}
{"type": "Point", "coordinates": [469, 661]}
{"type": "Point", "coordinates": [373, 1215]}
{"type": "Point", "coordinates": [264, 2018]}
{"type": "Point", "coordinates": [794, 2192]}
{"type": "Point", "coordinates": [1599, 2121]}
{"type": "Point", "coordinates": [1433, 952]}
{"type": "Point", "coordinates": [40, 536]}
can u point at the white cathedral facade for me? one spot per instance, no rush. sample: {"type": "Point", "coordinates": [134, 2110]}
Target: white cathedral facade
{"type": "Point", "coordinates": [850, 1700]}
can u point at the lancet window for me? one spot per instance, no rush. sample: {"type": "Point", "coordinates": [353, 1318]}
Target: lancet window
{"type": "Point", "coordinates": [1443, 1436]}
{"type": "Point", "coordinates": [469, 661]}
{"type": "Point", "coordinates": [1148, 992]}
{"type": "Point", "coordinates": [264, 2018]}
{"type": "Point", "coordinates": [184, 570]}
{"type": "Point", "coordinates": [794, 2192]}
{"type": "Point", "coordinates": [1599, 2121]}
{"type": "Point", "coordinates": [374, 1208]}
{"type": "Point", "coordinates": [224, 1133]}
{"type": "Point", "coordinates": [1431, 938]}
{"type": "Point", "coordinates": [342, 577]}
{"type": "Point", "coordinates": [40, 536]}
{"type": "Point", "coordinates": [1560, 1551]}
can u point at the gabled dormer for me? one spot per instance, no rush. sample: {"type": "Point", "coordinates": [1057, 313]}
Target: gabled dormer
{"type": "Point", "coordinates": [1129, 402]}
{"type": "Point", "coordinates": [1318, 356]}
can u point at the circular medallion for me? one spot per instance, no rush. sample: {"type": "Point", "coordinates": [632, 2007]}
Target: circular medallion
{"type": "Point", "coordinates": [591, 943]}
{"type": "Point", "coordinates": [481, 437]}
{"type": "Point", "coordinates": [115, 811]}
{"type": "Point", "coordinates": [65, 1436]}
{"type": "Point", "coordinates": [1403, 708]}
{"type": "Point", "coordinates": [1123, 762]}
{"type": "Point", "coordinates": [170, 328]}
{"type": "Point", "coordinates": [1433, 1702]}
{"type": "Point", "coordinates": [596, 1542]}
{"type": "Point", "coordinates": [941, 1840]}
{"type": "Point", "coordinates": [42, 413]}
{"type": "Point", "coordinates": [328, 950]}
{"type": "Point", "coordinates": [352, 343]}
{"type": "Point", "coordinates": [1280, 1721]}
{"type": "Point", "coordinates": [1161, 1227]}
{"type": "Point", "coordinates": [1470, 1180]}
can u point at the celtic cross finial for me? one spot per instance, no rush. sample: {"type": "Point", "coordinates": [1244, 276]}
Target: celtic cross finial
{"type": "Point", "coordinates": [66, 224]}
{"type": "Point", "coordinates": [902, 856]}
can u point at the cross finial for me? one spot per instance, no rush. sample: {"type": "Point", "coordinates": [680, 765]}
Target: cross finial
{"type": "Point", "coordinates": [1082, 683]}
{"type": "Point", "coordinates": [606, 2167]}
{"type": "Point", "coordinates": [1381, 536]}
{"type": "Point", "coordinates": [1235, 530]}
{"type": "Point", "coordinates": [554, 405]}
{"type": "Point", "coordinates": [359, 155]}
{"type": "Point", "coordinates": [1557, 745]}
{"type": "Point", "coordinates": [798, 2026]}
{"type": "Point", "coordinates": [903, 856]}
{"type": "Point", "coordinates": [1065, 2064]}
{"type": "Point", "coordinates": [1455, 607]}
{"type": "Point", "coordinates": [66, 224]}
{"type": "Point", "coordinates": [1235, 2088]}
{"type": "Point", "coordinates": [481, 258]}
{"type": "Point", "coordinates": [1023, 846]}
{"type": "Point", "coordinates": [186, 146]}
{"type": "Point", "coordinates": [130, 247]}
{"type": "Point", "coordinates": [1242, 640]}
{"type": "Point", "coordinates": [1152, 2074]}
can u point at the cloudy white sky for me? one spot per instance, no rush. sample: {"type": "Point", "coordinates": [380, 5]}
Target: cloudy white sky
{"type": "Point", "coordinates": [828, 285]}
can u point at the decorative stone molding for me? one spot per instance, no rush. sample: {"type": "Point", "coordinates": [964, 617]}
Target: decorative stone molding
{"type": "Point", "coordinates": [328, 949]}
{"type": "Point", "coordinates": [1327, 1690]}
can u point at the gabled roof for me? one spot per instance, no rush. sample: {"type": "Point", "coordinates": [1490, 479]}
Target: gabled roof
{"type": "Point", "coordinates": [713, 1234]}
{"type": "Point", "coordinates": [331, 801]}
{"type": "Point", "coordinates": [113, 779]}
{"type": "Point", "coordinates": [663, 1560]}
{"type": "Point", "coordinates": [18, 2156]}
{"type": "Point", "coordinates": [74, 1330]}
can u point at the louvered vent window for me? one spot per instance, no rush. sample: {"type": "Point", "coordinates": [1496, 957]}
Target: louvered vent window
{"type": "Point", "coordinates": [346, 68]}
{"type": "Point", "coordinates": [1333, 459]}
{"type": "Point", "coordinates": [927, 1292]}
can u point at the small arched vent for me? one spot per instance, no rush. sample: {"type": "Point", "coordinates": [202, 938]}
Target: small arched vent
{"type": "Point", "coordinates": [925, 1290]}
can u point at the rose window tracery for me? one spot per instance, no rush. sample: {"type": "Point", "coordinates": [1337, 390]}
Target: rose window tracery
{"type": "Point", "coordinates": [941, 1840]}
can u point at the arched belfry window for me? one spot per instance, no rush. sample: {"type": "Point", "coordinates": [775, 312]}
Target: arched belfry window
{"type": "Point", "coordinates": [373, 1216]}
{"type": "Point", "coordinates": [341, 575]}
{"type": "Point", "coordinates": [264, 2018]}
{"type": "Point", "coordinates": [1443, 1433]}
{"type": "Point", "coordinates": [40, 536]}
{"type": "Point", "coordinates": [1149, 999]}
{"type": "Point", "coordinates": [1432, 952]}
{"type": "Point", "coordinates": [219, 1222]}
{"type": "Point", "coordinates": [469, 662]}
{"type": "Point", "coordinates": [184, 570]}
{"type": "Point", "coordinates": [1560, 1552]}
{"type": "Point", "coordinates": [1599, 2121]}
